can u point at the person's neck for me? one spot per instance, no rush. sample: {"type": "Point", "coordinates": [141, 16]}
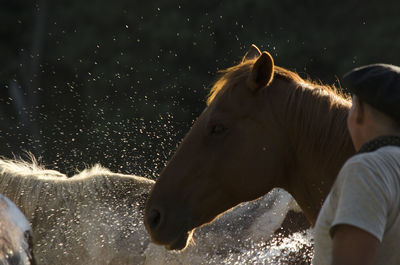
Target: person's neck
{"type": "Point", "coordinates": [373, 131]}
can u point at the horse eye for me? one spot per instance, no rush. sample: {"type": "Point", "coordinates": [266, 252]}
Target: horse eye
{"type": "Point", "coordinates": [217, 129]}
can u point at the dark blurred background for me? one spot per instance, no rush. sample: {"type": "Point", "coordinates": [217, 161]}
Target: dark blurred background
{"type": "Point", "coordinates": [120, 82]}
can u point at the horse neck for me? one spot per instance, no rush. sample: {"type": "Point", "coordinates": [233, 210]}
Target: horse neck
{"type": "Point", "coordinates": [36, 196]}
{"type": "Point", "coordinates": [23, 191]}
{"type": "Point", "coordinates": [315, 121]}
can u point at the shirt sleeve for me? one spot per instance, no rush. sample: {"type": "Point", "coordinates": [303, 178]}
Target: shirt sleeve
{"type": "Point", "coordinates": [362, 199]}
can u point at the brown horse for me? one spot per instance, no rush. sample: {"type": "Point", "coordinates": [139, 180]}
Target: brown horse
{"type": "Point", "coordinates": [263, 127]}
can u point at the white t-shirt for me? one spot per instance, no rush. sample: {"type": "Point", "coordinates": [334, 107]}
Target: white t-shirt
{"type": "Point", "coordinates": [366, 194]}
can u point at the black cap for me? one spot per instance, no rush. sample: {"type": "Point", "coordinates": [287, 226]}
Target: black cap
{"type": "Point", "coordinates": [378, 85]}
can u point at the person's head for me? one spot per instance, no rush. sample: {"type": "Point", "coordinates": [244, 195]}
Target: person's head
{"type": "Point", "coordinates": [376, 102]}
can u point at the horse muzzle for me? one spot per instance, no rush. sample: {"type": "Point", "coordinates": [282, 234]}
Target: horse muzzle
{"type": "Point", "coordinates": [169, 231]}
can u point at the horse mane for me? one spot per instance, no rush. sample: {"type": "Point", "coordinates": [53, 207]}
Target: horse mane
{"type": "Point", "coordinates": [32, 169]}
{"type": "Point", "coordinates": [24, 168]}
{"type": "Point", "coordinates": [241, 71]}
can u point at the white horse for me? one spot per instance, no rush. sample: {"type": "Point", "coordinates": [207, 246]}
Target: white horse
{"type": "Point", "coordinates": [15, 235]}
{"type": "Point", "coordinates": [94, 217]}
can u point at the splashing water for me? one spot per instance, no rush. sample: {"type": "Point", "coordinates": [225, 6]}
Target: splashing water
{"type": "Point", "coordinates": [294, 249]}
{"type": "Point", "coordinates": [244, 235]}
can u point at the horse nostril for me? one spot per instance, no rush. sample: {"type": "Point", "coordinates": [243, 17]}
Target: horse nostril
{"type": "Point", "coordinates": [154, 219]}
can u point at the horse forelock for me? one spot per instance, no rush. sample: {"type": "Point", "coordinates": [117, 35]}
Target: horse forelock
{"type": "Point", "coordinates": [234, 74]}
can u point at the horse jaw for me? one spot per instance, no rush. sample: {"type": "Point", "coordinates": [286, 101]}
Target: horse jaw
{"type": "Point", "coordinates": [181, 242]}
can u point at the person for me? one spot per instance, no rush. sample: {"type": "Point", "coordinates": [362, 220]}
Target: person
{"type": "Point", "coordinates": [359, 222]}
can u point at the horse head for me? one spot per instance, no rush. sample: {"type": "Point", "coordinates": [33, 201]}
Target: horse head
{"type": "Point", "coordinates": [234, 142]}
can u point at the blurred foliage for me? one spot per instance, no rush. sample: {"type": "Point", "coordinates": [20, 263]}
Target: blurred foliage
{"type": "Point", "coordinates": [120, 82]}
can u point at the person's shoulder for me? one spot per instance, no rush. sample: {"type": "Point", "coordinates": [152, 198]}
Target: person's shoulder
{"type": "Point", "coordinates": [368, 157]}
{"type": "Point", "coordinates": [388, 150]}
{"type": "Point", "coordinates": [381, 165]}
{"type": "Point", "coordinates": [358, 160]}
{"type": "Point", "coordinates": [362, 162]}
{"type": "Point", "coordinates": [352, 167]}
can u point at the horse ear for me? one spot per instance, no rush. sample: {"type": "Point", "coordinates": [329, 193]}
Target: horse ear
{"type": "Point", "coordinates": [262, 72]}
{"type": "Point", "coordinates": [252, 53]}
